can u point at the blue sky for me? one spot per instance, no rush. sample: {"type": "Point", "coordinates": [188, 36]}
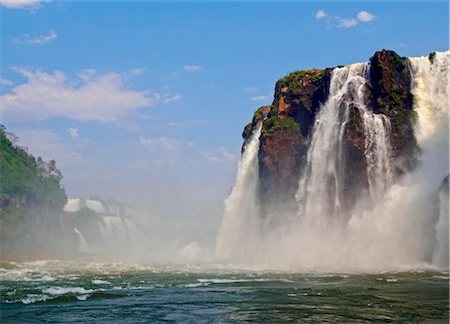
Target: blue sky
{"type": "Point", "coordinates": [145, 101]}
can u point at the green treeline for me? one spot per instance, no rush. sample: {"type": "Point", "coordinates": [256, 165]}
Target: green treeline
{"type": "Point", "coordinates": [31, 196]}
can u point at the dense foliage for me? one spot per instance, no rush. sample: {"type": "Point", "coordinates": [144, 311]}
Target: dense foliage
{"type": "Point", "coordinates": [275, 123]}
{"type": "Point", "coordinates": [30, 188]}
{"type": "Point", "coordinates": [296, 80]}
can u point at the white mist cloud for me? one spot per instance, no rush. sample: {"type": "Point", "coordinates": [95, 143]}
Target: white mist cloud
{"type": "Point", "coordinates": [365, 16]}
{"type": "Point", "coordinates": [73, 132]}
{"type": "Point", "coordinates": [36, 40]}
{"type": "Point", "coordinates": [89, 96]}
{"type": "Point", "coordinates": [259, 98]}
{"type": "Point", "coordinates": [192, 68]}
{"type": "Point", "coordinates": [21, 4]}
{"type": "Point", "coordinates": [319, 14]}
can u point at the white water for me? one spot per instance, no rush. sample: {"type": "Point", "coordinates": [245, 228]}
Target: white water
{"type": "Point", "coordinates": [112, 228]}
{"type": "Point", "coordinates": [392, 227]}
{"type": "Point", "coordinates": [242, 207]}
{"type": "Point", "coordinates": [82, 244]}
{"type": "Point", "coordinates": [431, 92]}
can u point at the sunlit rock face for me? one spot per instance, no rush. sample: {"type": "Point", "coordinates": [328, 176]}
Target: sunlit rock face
{"type": "Point", "coordinates": [378, 97]}
{"type": "Point", "coordinates": [351, 162]}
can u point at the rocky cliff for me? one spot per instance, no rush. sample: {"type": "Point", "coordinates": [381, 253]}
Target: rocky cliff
{"type": "Point", "coordinates": [289, 122]}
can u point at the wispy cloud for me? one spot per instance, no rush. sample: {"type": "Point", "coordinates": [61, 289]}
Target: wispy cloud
{"type": "Point", "coordinates": [5, 82]}
{"type": "Point", "coordinates": [344, 22]}
{"type": "Point", "coordinates": [361, 16]}
{"type": "Point", "coordinates": [319, 14]}
{"type": "Point", "coordinates": [365, 16]}
{"type": "Point", "coordinates": [168, 98]}
{"type": "Point", "coordinates": [222, 155]}
{"type": "Point", "coordinates": [137, 71]}
{"type": "Point", "coordinates": [192, 68]}
{"type": "Point", "coordinates": [73, 132]}
{"type": "Point", "coordinates": [89, 96]}
{"type": "Point", "coordinates": [36, 40]}
{"type": "Point", "coordinates": [259, 98]}
{"type": "Point", "coordinates": [21, 4]}
{"type": "Point", "coordinates": [165, 144]}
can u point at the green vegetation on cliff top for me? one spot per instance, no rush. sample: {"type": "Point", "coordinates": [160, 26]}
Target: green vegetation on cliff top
{"type": "Point", "coordinates": [28, 186]}
{"type": "Point", "coordinates": [275, 123]}
{"type": "Point", "coordinates": [295, 80]}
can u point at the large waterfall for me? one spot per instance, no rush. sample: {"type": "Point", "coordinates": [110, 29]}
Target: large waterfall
{"type": "Point", "coordinates": [396, 223]}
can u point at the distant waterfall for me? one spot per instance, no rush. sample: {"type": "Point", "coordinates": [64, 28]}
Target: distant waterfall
{"type": "Point", "coordinates": [240, 220]}
{"type": "Point", "coordinates": [102, 227]}
{"type": "Point", "coordinates": [82, 244]}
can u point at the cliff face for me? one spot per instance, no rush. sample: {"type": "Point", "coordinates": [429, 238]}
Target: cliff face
{"type": "Point", "coordinates": [288, 125]}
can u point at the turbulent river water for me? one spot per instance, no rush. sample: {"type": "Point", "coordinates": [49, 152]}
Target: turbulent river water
{"type": "Point", "coordinates": [380, 260]}
{"type": "Point", "coordinates": [66, 291]}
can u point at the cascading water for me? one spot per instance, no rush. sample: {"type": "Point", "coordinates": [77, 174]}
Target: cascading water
{"type": "Point", "coordinates": [82, 244]}
{"type": "Point", "coordinates": [102, 226]}
{"type": "Point", "coordinates": [321, 184]}
{"type": "Point", "coordinates": [390, 227]}
{"type": "Point", "coordinates": [242, 207]}
{"type": "Point", "coordinates": [431, 94]}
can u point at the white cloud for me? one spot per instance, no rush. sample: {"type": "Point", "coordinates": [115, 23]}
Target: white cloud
{"type": "Point", "coordinates": [365, 16]}
{"type": "Point", "coordinates": [346, 22]}
{"type": "Point", "coordinates": [73, 133]}
{"type": "Point", "coordinates": [192, 68]}
{"type": "Point", "coordinates": [168, 98]}
{"type": "Point", "coordinates": [361, 16]}
{"type": "Point", "coordinates": [222, 155]}
{"type": "Point", "coordinates": [259, 98]}
{"type": "Point", "coordinates": [90, 96]}
{"type": "Point", "coordinates": [137, 71]}
{"type": "Point", "coordinates": [6, 82]}
{"type": "Point", "coordinates": [37, 40]}
{"type": "Point", "coordinates": [165, 144]}
{"type": "Point", "coordinates": [319, 14]}
{"type": "Point", "coordinates": [21, 4]}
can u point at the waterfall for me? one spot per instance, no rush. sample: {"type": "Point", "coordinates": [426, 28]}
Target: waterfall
{"type": "Point", "coordinates": [441, 252]}
{"type": "Point", "coordinates": [431, 104]}
{"type": "Point", "coordinates": [82, 244]}
{"type": "Point", "coordinates": [321, 183]}
{"type": "Point", "coordinates": [240, 220]}
{"type": "Point", "coordinates": [102, 226]}
{"type": "Point", "coordinates": [394, 224]}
